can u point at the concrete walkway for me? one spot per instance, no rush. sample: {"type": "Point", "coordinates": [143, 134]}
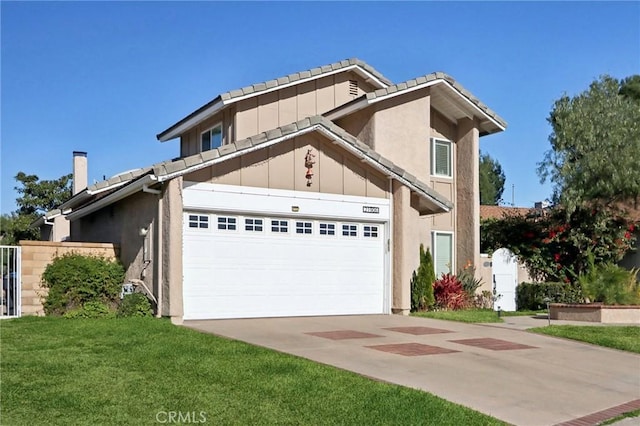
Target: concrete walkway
{"type": "Point", "coordinates": [519, 377]}
{"type": "Point", "coordinates": [526, 322]}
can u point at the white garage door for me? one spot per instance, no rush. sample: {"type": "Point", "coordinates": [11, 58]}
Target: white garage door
{"type": "Point", "coordinates": [245, 265]}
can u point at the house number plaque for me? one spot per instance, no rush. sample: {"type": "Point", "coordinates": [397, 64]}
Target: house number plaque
{"type": "Point", "coordinates": [371, 209]}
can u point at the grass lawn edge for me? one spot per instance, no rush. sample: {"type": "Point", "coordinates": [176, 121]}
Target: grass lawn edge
{"type": "Point", "coordinates": [614, 342]}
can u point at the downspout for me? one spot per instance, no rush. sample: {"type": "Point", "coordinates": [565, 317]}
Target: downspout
{"type": "Point", "coordinates": [390, 250]}
{"type": "Point", "coordinates": [159, 257]}
{"type": "Point", "coordinates": [158, 241]}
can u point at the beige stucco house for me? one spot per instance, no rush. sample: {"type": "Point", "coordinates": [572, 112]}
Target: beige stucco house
{"type": "Point", "coordinates": [305, 195]}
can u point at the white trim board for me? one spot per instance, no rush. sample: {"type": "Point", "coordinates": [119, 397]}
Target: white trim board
{"type": "Point", "coordinates": [232, 198]}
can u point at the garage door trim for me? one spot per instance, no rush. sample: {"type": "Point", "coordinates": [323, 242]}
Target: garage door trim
{"type": "Point", "coordinates": [295, 206]}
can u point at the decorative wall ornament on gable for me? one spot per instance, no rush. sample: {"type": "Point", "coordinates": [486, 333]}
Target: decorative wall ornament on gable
{"type": "Point", "coordinates": [308, 163]}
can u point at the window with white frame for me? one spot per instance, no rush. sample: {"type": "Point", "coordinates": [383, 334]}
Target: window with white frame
{"type": "Point", "coordinates": [253, 225]}
{"type": "Point", "coordinates": [279, 226]}
{"type": "Point", "coordinates": [327, 229]}
{"type": "Point", "coordinates": [370, 231]}
{"type": "Point", "coordinates": [211, 138]}
{"type": "Point", "coordinates": [349, 230]}
{"type": "Point", "coordinates": [304, 227]}
{"type": "Point", "coordinates": [198, 221]}
{"type": "Point", "coordinates": [441, 158]}
{"type": "Point", "coordinates": [442, 253]}
{"type": "Point", "coordinates": [227, 223]}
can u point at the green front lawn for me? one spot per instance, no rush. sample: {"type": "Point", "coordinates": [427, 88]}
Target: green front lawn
{"type": "Point", "coordinates": [139, 370]}
{"type": "Point", "coordinates": [474, 315]}
{"type": "Point", "coordinates": [626, 338]}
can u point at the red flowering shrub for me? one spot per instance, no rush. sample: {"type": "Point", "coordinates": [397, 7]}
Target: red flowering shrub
{"type": "Point", "coordinates": [555, 246]}
{"type": "Point", "coordinates": [449, 293]}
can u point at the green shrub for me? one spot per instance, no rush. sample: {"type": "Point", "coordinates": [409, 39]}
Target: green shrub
{"type": "Point", "coordinates": [467, 277]}
{"type": "Point", "coordinates": [530, 296]}
{"type": "Point", "coordinates": [135, 305]}
{"type": "Point", "coordinates": [74, 279]}
{"type": "Point", "coordinates": [90, 310]}
{"type": "Point", "coordinates": [422, 282]}
{"type": "Point", "coordinates": [610, 284]}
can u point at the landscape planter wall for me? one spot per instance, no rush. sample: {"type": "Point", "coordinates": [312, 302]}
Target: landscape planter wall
{"type": "Point", "coordinates": [595, 312]}
{"type": "Point", "coordinates": [36, 255]}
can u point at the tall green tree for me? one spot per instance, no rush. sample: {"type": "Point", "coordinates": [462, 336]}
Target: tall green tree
{"type": "Point", "coordinates": [39, 196]}
{"type": "Point", "coordinates": [36, 197]}
{"type": "Point", "coordinates": [491, 180]}
{"type": "Point", "coordinates": [595, 145]}
{"type": "Point", "coordinates": [630, 87]}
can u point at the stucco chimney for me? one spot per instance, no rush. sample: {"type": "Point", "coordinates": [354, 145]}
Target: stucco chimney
{"type": "Point", "coordinates": [80, 173]}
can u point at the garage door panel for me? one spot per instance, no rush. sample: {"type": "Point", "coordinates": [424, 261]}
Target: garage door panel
{"type": "Point", "coordinates": [235, 274]}
{"type": "Point", "coordinates": [256, 306]}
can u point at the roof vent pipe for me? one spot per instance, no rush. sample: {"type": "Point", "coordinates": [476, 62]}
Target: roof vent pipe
{"type": "Point", "coordinates": [80, 171]}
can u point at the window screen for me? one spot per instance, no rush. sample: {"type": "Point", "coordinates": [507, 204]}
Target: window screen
{"type": "Point", "coordinates": [441, 158]}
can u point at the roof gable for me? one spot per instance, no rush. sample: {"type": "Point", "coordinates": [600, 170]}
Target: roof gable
{"type": "Point", "coordinates": [429, 201]}
{"type": "Point", "coordinates": [448, 96]}
{"type": "Point", "coordinates": [171, 169]}
{"type": "Point", "coordinates": [366, 71]}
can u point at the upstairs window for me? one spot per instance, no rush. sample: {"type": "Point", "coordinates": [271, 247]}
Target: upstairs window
{"type": "Point", "coordinates": [212, 138]}
{"type": "Point", "coordinates": [441, 158]}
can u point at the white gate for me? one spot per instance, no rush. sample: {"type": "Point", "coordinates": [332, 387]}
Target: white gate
{"type": "Point", "coordinates": [10, 262]}
{"type": "Point", "coordinates": [504, 267]}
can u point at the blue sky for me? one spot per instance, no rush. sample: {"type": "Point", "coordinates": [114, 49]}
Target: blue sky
{"type": "Point", "coordinates": [107, 77]}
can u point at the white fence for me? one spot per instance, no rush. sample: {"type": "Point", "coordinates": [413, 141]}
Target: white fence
{"type": "Point", "coordinates": [10, 262]}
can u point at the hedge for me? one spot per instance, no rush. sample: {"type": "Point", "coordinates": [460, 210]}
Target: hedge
{"type": "Point", "coordinates": [530, 296]}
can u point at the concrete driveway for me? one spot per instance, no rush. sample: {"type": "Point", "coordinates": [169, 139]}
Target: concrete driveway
{"type": "Point", "coordinates": [519, 377]}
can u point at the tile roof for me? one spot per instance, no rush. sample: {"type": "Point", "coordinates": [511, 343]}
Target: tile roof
{"type": "Point", "coordinates": [119, 179]}
{"type": "Point", "coordinates": [257, 88]}
{"type": "Point", "coordinates": [432, 77]}
{"type": "Point", "coordinates": [168, 169]}
{"type": "Point", "coordinates": [498, 212]}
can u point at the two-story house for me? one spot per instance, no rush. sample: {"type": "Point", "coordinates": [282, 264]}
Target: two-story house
{"type": "Point", "coordinates": [305, 195]}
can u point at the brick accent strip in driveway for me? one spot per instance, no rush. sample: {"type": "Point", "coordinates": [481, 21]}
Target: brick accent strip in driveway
{"type": "Point", "coordinates": [419, 331]}
{"type": "Point", "coordinates": [412, 349]}
{"type": "Point", "coordinates": [601, 416]}
{"type": "Point", "coordinates": [493, 344]}
{"type": "Point", "coordinates": [343, 334]}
